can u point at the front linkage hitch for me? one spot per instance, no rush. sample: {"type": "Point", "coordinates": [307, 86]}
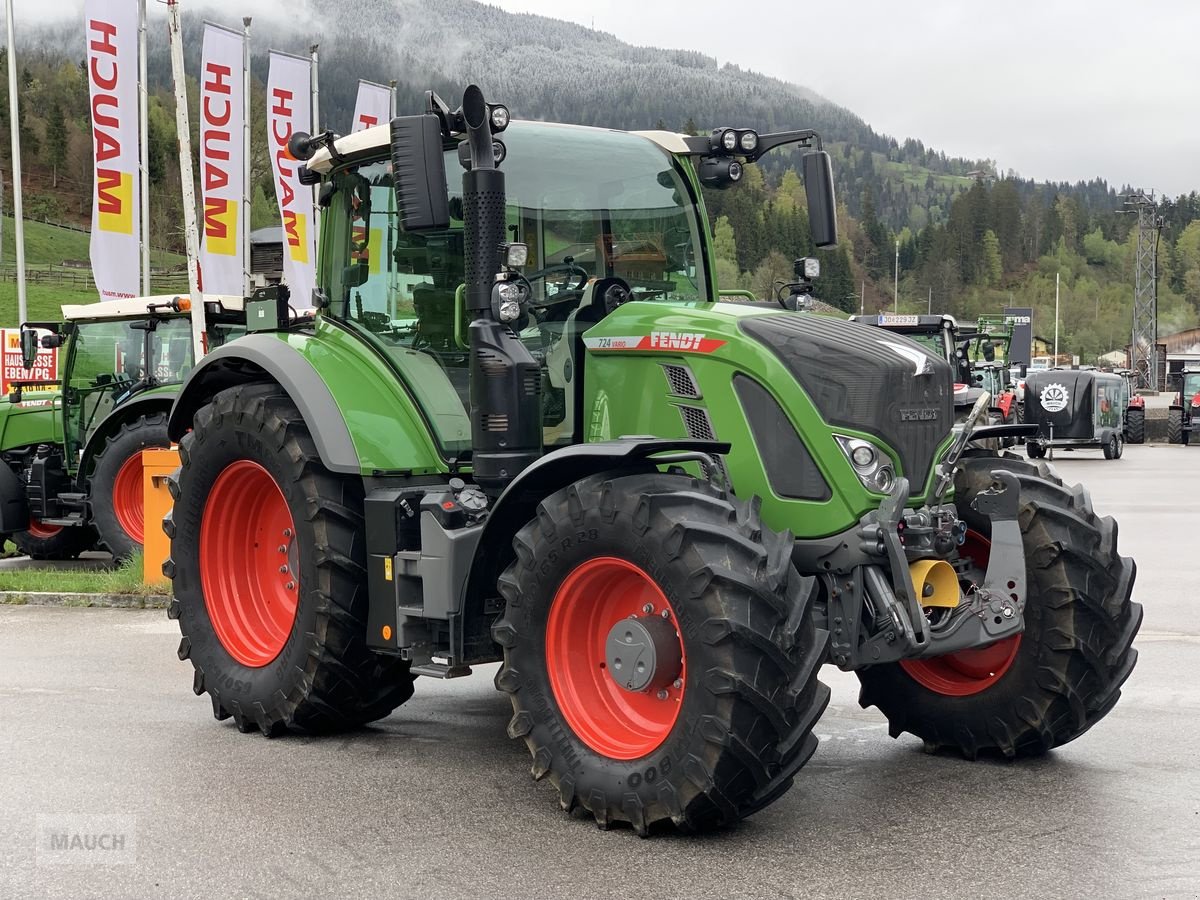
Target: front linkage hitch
{"type": "Point", "coordinates": [876, 619]}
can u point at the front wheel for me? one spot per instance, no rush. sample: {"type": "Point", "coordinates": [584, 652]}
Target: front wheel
{"type": "Point", "coordinates": [268, 570]}
{"type": "Point", "coordinates": [1135, 425]}
{"type": "Point", "coordinates": [1175, 426]}
{"type": "Point", "coordinates": [43, 541]}
{"type": "Point", "coordinates": [1050, 684]}
{"type": "Point", "coordinates": [660, 652]}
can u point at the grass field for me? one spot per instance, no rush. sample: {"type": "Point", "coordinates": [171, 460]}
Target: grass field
{"type": "Point", "coordinates": [124, 579]}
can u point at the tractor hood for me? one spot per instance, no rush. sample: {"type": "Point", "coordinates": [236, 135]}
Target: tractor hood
{"type": "Point", "coordinates": [866, 379]}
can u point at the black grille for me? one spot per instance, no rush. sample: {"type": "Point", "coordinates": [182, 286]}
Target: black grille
{"type": "Point", "coordinates": [699, 426]}
{"type": "Point", "coordinates": [680, 381]}
{"type": "Point", "coordinates": [857, 381]}
{"type": "Point", "coordinates": [790, 468]}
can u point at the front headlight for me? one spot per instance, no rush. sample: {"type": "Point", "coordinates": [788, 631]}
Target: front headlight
{"type": "Point", "coordinates": [873, 468]}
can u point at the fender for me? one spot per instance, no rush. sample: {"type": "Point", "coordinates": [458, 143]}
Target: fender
{"type": "Point", "coordinates": [141, 405]}
{"type": "Point", "coordinates": [263, 357]}
{"type": "Point", "coordinates": [518, 504]}
{"type": "Point", "coordinates": [14, 509]}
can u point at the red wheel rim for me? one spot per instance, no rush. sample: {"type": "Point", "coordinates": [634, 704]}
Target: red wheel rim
{"type": "Point", "coordinates": [42, 530]}
{"type": "Point", "coordinates": [614, 722]}
{"type": "Point", "coordinates": [248, 562]}
{"type": "Point", "coordinates": [128, 498]}
{"type": "Point", "coordinates": [966, 672]}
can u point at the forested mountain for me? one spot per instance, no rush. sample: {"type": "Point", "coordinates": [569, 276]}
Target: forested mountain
{"type": "Point", "coordinates": [973, 237]}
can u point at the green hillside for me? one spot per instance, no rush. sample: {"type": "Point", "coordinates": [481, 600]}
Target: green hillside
{"type": "Point", "coordinates": [50, 245]}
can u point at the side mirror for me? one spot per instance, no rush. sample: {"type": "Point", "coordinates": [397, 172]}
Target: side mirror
{"type": "Point", "coordinates": [29, 347]}
{"type": "Point", "coordinates": [355, 275]}
{"type": "Point", "coordinates": [822, 206]}
{"type": "Point", "coordinates": [989, 351]}
{"type": "Point", "coordinates": [419, 173]}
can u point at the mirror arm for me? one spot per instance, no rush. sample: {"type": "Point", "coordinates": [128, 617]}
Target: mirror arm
{"type": "Point", "coordinates": [700, 145]}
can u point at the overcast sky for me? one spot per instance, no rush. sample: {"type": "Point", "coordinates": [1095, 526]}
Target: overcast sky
{"type": "Point", "coordinates": [1053, 89]}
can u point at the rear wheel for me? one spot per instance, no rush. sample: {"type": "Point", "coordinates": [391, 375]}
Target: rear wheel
{"type": "Point", "coordinates": [43, 541]}
{"type": "Point", "coordinates": [268, 570]}
{"type": "Point", "coordinates": [660, 652]}
{"type": "Point", "coordinates": [1175, 426]}
{"type": "Point", "coordinates": [1112, 447]}
{"type": "Point", "coordinates": [116, 494]}
{"type": "Point", "coordinates": [1135, 425]}
{"type": "Point", "coordinates": [1023, 696]}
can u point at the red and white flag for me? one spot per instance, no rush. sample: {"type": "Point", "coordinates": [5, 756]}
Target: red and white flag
{"type": "Point", "coordinates": [111, 28]}
{"type": "Point", "coordinates": [222, 160]}
{"type": "Point", "coordinates": [289, 109]}
{"type": "Point", "coordinates": [373, 107]}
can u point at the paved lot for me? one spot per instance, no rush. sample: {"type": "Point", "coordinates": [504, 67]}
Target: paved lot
{"type": "Point", "coordinates": [97, 717]}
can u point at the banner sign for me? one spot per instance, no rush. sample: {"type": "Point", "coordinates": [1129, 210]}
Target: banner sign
{"type": "Point", "coordinates": [289, 109]}
{"type": "Point", "coordinates": [222, 162]}
{"type": "Point", "coordinates": [112, 65]}
{"type": "Point", "coordinates": [373, 107]}
{"type": "Point", "coordinates": [45, 367]}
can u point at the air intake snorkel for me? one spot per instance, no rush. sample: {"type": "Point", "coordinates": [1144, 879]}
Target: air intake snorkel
{"type": "Point", "coordinates": [506, 409]}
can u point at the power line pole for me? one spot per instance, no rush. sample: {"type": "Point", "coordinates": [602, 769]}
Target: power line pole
{"type": "Point", "coordinates": [1143, 349]}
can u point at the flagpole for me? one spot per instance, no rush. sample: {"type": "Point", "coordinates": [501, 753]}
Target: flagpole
{"type": "Point", "coordinates": [392, 104]}
{"type": "Point", "coordinates": [316, 127]}
{"type": "Point", "coordinates": [190, 228]}
{"type": "Point", "coordinates": [14, 131]}
{"type": "Point", "coordinates": [247, 199]}
{"type": "Point", "coordinates": [144, 149]}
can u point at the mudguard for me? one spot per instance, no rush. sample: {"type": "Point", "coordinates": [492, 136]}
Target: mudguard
{"type": "Point", "coordinates": [266, 357]}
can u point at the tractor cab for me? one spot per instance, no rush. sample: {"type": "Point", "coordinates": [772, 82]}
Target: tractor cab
{"type": "Point", "coordinates": [1076, 409]}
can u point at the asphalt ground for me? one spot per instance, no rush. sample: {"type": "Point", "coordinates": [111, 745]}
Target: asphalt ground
{"type": "Point", "coordinates": [97, 719]}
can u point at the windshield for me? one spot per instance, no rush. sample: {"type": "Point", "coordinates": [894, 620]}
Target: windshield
{"type": "Point", "coordinates": [589, 203]}
{"type": "Point", "coordinates": [107, 366]}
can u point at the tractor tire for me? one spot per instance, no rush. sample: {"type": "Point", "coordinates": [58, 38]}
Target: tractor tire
{"type": "Point", "coordinates": [1050, 684]}
{"type": "Point", "coordinates": [1135, 425]}
{"type": "Point", "coordinates": [269, 573]}
{"type": "Point", "coordinates": [116, 496]}
{"type": "Point", "coordinates": [723, 739]}
{"type": "Point", "coordinates": [1175, 426]}
{"type": "Point", "coordinates": [55, 541]}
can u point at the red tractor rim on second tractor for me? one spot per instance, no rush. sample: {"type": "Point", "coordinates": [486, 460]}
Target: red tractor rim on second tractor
{"type": "Point", "coordinates": [248, 563]}
{"type": "Point", "coordinates": [591, 601]}
{"type": "Point", "coordinates": [39, 529]}
{"type": "Point", "coordinates": [128, 497]}
{"type": "Point", "coordinates": [966, 672]}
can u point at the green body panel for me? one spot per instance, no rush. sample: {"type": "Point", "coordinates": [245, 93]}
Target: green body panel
{"type": "Point", "coordinates": [35, 420]}
{"type": "Point", "coordinates": [626, 393]}
{"type": "Point", "coordinates": [388, 432]}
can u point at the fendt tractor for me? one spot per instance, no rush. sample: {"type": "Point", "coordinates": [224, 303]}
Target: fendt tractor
{"type": "Point", "coordinates": [520, 429]}
{"type": "Point", "coordinates": [71, 472]}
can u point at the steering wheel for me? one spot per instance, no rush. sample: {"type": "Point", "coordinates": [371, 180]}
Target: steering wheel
{"type": "Point", "coordinates": [570, 292]}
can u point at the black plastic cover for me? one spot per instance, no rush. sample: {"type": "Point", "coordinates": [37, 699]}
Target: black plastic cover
{"type": "Point", "coordinates": [866, 378]}
{"type": "Point", "coordinates": [791, 470]}
{"type": "Point", "coordinates": [419, 173]}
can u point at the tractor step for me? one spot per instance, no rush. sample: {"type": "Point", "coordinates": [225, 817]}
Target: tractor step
{"type": "Point", "coordinates": [440, 670]}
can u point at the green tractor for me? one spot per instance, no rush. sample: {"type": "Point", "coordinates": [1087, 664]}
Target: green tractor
{"type": "Point", "coordinates": [521, 428]}
{"type": "Point", "coordinates": [72, 474]}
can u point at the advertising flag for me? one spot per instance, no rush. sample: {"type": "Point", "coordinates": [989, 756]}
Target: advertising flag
{"type": "Point", "coordinates": [222, 160]}
{"type": "Point", "coordinates": [289, 109]}
{"type": "Point", "coordinates": [112, 65]}
{"type": "Point", "coordinates": [374, 105]}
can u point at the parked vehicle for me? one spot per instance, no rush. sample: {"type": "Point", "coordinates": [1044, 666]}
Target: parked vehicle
{"type": "Point", "coordinates": [1181, 417]}
{"type": "Point", "coordinates": [1135, 413]}
{"type": "Point", "coordinates": [71, 478]}
{"type": "Point", "coordinates": [432, 474]}
{"type": "Point", "coordinates": [1076, 408]}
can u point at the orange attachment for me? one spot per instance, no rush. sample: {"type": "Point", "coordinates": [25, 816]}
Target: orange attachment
{"type": "Point", "coordinates": [157, 466]}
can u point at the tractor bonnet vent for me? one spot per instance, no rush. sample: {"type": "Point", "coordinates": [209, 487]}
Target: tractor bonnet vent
{"type": "Point", "coordinates": [492, 364]}
{"type": "Point", "coordinates": [681, 381]}
{"type": "Point", "coordinates": [699, 427]}
{"type": "Point", "coordinates": [495, 423]}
